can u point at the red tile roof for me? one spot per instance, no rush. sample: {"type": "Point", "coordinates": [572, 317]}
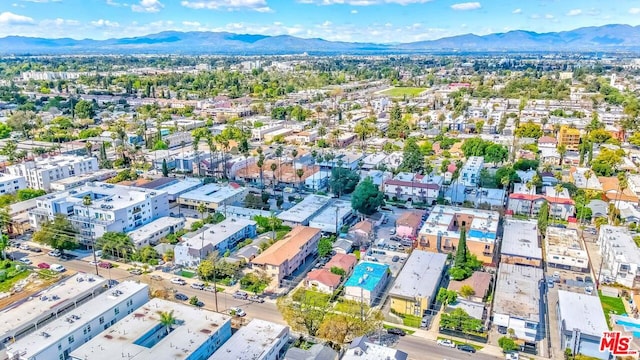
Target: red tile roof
{"type": "Point", "coordinates": [410, 219]}
{"type": "Point", "coordinates": [550, 199]}
{"type": "Point", "coordinates": [324, 277]}
{"type": "Point", "coordinates": [343, 261]}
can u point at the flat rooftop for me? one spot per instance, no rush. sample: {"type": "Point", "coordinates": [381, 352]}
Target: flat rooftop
{"type": "Point", "coordinates": [153, 227]}
{"type": "Point", "coordinates": [179, 186]}
{"type": "Point", "coordinates": [362, 348]}
{"type": "Point", "coordinates": [328, 214]}
{"type": "Point", "coordinates": [483, 226]}
{"type": "Point", "coordinates": [517, 292]}
{"type": "Point", "coordinates": [564, 242]}
{"type": "Point", "coordinates": [582, 311]}
{"type": "Point", "coordinates": [111, 196]}
{"type": "Point", "coordinates": [420, 276]}
{"type": "Point", "coordinates": [213, 193]}
{"type": "Point", "coordinates": [252, 341]}
{"type": "Point", "coordinates": [367, 275]}
{"type": "Point", "coordinates": [57, 330]}
{"type": "Point", "coordinates": [520, 238]}
{"type": "Point", "coordinates": [95, 175]}
{"type": "Point", "coordinates": [627, 252]}
{"type": "Point", "coordinates": [215, 233]}
{"type": "Point", "coordinates": [44, 302]}
{"type": "Point", "coordinates": [305, 209]}
{"type": "Point", "coordinates": [194, 326]}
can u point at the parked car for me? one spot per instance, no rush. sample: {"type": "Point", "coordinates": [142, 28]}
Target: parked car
{"type": "Point", "coordinates": [512, 356]}
{"type": "Point", "coordinates": [210, 289]}
{"type": "Point", "coordinates": [198, 286]}
{"type": "Point", "coordinates": [467, 348]}
{"type": "Point", "coordinates": [396, 331]}
{"type": "Point", "coordinates": [156, 277]}
{"type": "Point", "coordinates": [24, 246]}
{"type": "Point", "coordinates": [54, 253]}
{"type": "Point", "coordinates": [446, 342]}
{"type": "Point", "coordinates": [240, 295]}
{"type": "Point", "coordinates": [395, 258]}
{"type": "Point", "coordinates": [25, 260]}
{"type": "Point", "coordinates": [579, 279]}
{"type": "Point", "coordinates": [588, 280]}
{"type": "Point", "coordinates": [588, 290]}
{"type": "Point", "coordinates": [237, 311]}
{"type": "Point", "coordinates": [181, 297]}
{"type": "Point", "coordinates": [178, 281]}
{"type": "Point", "coordinates": [105, 265]}
{"type": "Point", "coordinates": [256, 298]}
{"type": "Point", "coordinates": [57, 268]}
{"type": "Point", "coordinates": [135, 272]}
{"type": "Point", "coordinates": [36, 249]}
{"type": "Point", "coordinates": [43, 266]}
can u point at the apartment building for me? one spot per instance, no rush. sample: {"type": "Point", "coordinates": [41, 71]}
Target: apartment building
{"type": "Point", "coordinates": [367, 283]}
{"type": "Point", "coordinates": [153, 232]}
{"type": "Point", "coordinates": [40, 173]}
{"type": "Point", "coordinates": [58, 338]}
{"type": "Point", "coordinates": [470, 172]}
{"type": "Point", "coordinates": [441, 231]}
{"type": "Point", "coordinates": [413, 187]}
{"type": "Point", "coordinates": [569, 137]}
{"type": "Point", "coordinates": [620, 256]}
{"type": "Point", "coordinates": [10, 183]}
{"type": "Point", "coordinates": [564, 249]}
{"type": "Point", "coordinates": [287, 255]}
{"type": "Point", "coordinates": [268, 342]}
{"type": "Point", "coordinates": [75, 181]}
{"type": "Point", "coordinates": [210, 238]}
{"type": "Point", "coordinates": [115, 208]}
{"type": "Point", "coordinates": [213, 196]}
{"type": "Point", "coordinates": [417, 285]}
{"type": "Point", "coordinates": [530, 204]}
{"type": "Point", "coordinates": [520, 244]}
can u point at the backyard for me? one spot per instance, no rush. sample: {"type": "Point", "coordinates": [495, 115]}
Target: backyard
{"type": "Point", "coordinates": [611, 305]}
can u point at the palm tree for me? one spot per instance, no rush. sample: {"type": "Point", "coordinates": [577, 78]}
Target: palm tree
{"type": "Point", "coordinates": [562, 150]}
{"type": "Point", "coordinates": [294, 153]}
{"type": "Point", "coordinates": [260, 164]}
{"type": "Point", "coordinates": [202, 209]}
{"type": "Point", "coordinates": [300, 173]}
{"type": "Point", "coordinates": [273, 222]}
{"type": "Point", "coordinates": [622, 186]}
{"type": "Point", "coordinates": [86, 202]}
{"type": "Point", "coordinates": [505, 181]}
{"type": "Point", "coordinates": [314, 155]}
{"type": "Point", "coordinates": [279, 151]}
{"type": "Point", "coordinates": [88, 147]}
{"type": "Point", "coordinates": [273, 171]}
{"type": "Point", "coordinates": [212, 148]}
{"type": "Point", "coordinates": [167, 320]}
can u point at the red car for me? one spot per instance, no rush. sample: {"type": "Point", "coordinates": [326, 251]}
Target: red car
{"type": "Point", "coordinates": [43, 266]}
{"type": "Point", "coordinates": [105, 264]}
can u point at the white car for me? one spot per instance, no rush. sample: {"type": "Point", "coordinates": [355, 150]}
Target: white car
{"type": "Point", "coordinates": [237, 311]}
{"type": "Point", "coordinates": [178, 281]}
{"type": "Point", "coordinates": [25, 260]}
{"type": "Point", "coordinates": [512, 356]}
{"type": "Point", "coordinates": [446, 342]}
{"type": "Point", "coordinates": [57, 268]}
{"type": "Point", "coordinates": [54, 253]}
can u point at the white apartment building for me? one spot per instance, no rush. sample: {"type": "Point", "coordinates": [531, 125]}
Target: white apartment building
{"type": "Point", "coordinates": [197, 334]}
{"type": "Point", "coordinates": [620, 255]}
{"type": "Point", "coordinates": [470, 172]}
{"type": "Point", "coordinates": [58, 338]}
{"type": "Point", "coordinates": [10, 183]}
{"type": "Point", "coordinates": [564, 249]}
{"type": "Point", "coordinates": [213, 237]}
{"type": "Point", "coordinates": [213, 196]}
{"type": "Point", "coordinates": [75, 181]}
{"type": "Point", "coordinates": [40, 173]}
{"type": "Point", "coordinates": [115, 208]}
{"type": "Point", "coordinates": [268, 342]}
{"type": "Point", "coordinates": [153, 232]}
{"type": "Point", "coordinates": [23, 317]}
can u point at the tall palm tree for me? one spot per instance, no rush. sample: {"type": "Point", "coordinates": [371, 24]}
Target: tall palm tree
{"type": "Point", "coordinates": [167, 320]}
{"type": "Point", "coordinates": [622, 186]}
{"type": "Point", "coordinates": [314, 155]}
{"type": "Point", "coordinates": [86, 202]}
{"type": "Point", "coordinates": [279, 151]}
{"type": "Point", "coordinates": [212, 148]}
{"type": "Point", "coordinates": [300, 173]}
{"type": "Point", "coordinates": [273, 172]}
{"type": "Point", "coordinates": [202, 209]}
{"type": "Point", "coordinates": [260, 164]}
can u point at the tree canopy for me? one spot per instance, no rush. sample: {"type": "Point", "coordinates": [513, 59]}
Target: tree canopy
{"type": "Point", "coordinates": [367, 197]}
{"type": "Point", "coordinates": [343, 180]}
{"type": "Point", "coordinates": [58, 234]}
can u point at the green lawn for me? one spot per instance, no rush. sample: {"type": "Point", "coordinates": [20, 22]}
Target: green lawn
{"type": "Point", "coordinates": [457, 342]}
{"type": "Point", "coordinates": [404, 91]}
{"type": "Point", "coordinates": [7, 284]}
{"type": "Point", "coordinates": [611, 305]}
{"type": "Point", "coordinates": [411, 320]}
{"type": "Point", "coordinates": [311, 296]}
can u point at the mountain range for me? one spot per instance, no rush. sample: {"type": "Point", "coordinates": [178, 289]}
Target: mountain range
{"type": "Point", "coordinates": [613, 37]}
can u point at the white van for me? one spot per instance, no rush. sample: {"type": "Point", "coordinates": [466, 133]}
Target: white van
{"type": "Point", "coordinates": [57, 268]}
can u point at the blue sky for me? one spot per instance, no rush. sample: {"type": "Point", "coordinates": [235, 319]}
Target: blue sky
{"type": "Point", "coordinates": [344, 20]}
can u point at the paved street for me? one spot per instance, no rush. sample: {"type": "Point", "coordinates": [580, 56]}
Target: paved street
{"type": "Point", "coordinates": [419, 349]}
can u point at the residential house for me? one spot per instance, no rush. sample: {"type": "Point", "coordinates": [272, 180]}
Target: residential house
{"type": "Point", "coordinates": [362, 232]}
{"type": "Point", "coordinates": [367, 283]}
{"type": "Point", "coordinates": [479, 281]}
{"type": "Point", "coordinates": [411, 187]}
{"type": "Point", "coordinates": [408, 224]}
{"type": "Point", "coordinates": [581, 324]}
{"type": "Point", "coordinates": [362, 348]}
{"type": "Point", "coordinates": [345, 262]}
{"type": "Point", "coordinates": [527, 204]}
{"type": "Point", "coordinates": [322, 280]}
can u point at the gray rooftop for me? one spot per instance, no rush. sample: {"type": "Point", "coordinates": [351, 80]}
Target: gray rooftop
{"type": "Point", "coordinates": [361, 348]}
{"type": "Point", "coordinates": [305, 209]}
{"type": "Point", "coordinates": [582, 311]}
{"type": "Point", "coordinates": [214, 234]}
{"type": "Point", "coordinates": [420, 276]}
{"type": "Point", "coordinates": [212, 193]}
{"type": "Point", "coordinates": [520, 238]}
{"type": "Point", "coordinates": [619, 237]}
{"type": "Point", "coordinates": [517, 292]}
{"type": "Point", "coordinates": [143, 232]}
{"type": "Point", "coordinates": [252, 341]}
{"type": "Point", "coordinates": [316, 352]}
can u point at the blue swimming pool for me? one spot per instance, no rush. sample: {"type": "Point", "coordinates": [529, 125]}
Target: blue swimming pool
{"type": "Point", "coordinates": [630, 326]}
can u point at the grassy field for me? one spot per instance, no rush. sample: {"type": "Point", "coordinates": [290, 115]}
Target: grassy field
{"type": "Point", "coordinates": [7, 284]}
{"type": "Point", "coordinates": [310, 296]}
{"type": "Point", "coordinates": [611, 305]}
{"type": "Point", "coordinates": [404, 91]}
{"type": "Point", "coordinates": [477, 347]}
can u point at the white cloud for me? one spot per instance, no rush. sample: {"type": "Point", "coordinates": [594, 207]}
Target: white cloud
{"type": "Point", "coordinates": [105, 23]}
{"type": "Point", "coordinates": [230, 5]}
{"type": "Point", "coordinates": [466, 6]}
{"type": "Point", "coordinates": [634, 11]}
{"type": "Point", "coordinates": [17, 5]}
{"type": "Point", "coordinates": [535, 16]}
{"type": "Point", "coordinates": [9, 18]}
{"type": "Point", "coordinates": [574, 12]}
{"type": "Point", "coordinates": [114, 3]}
{"type": "Point", "coordinates": [191, 23]}
{"type": "Point", "coordinates": [362, 2]}
{"type": "Point", "coordinates": [517, 11]}
{"type": "Point", "coordinates": [42, 1]}
{"type": "Point", "coordinates": [354, 11]}
{"type": "Point", "coordinates": [548, 16]}
{"type": "Point", "coordinates": [148, 6]}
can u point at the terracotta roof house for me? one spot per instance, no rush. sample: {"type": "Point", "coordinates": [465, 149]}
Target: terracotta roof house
{"type": "Point", "coordinates": [345, 262]}
{"type": "Point", "coordinates": [612, 192]}
{"type": "Point", "coordinates": [547, 141]}
{"type": "Point", "coordinates": [322, 280]}
{"type": "Point", "coordinates": [408, 224]}
{"type": "Point", "coordinates": [480, 282]}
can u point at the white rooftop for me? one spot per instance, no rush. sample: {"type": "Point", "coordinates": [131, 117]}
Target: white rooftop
{"type": "Point", "coordinates": [328, 214]}
{"type": "Point", "coordinates": [420, 276]}
{"type": "Point", "coordinates": [58, 296]}
{"type": "Point", "coordinates": [483, 227]}
{"type": "Point", "coordinates": [582, 311]}
{"type": "Point", "coordinates": [213, 193]}
{"type": "Point", "coordinates": [517, 292]}
{"type": "Point", "coordinates": [520, 238]}
{"type": "Point", "coordinates": [361, 348]}
{"type": "Point", "coordinates": [143, 233]}
{"type": "Point", "coordinates": [252, 341]}
{"type": "Point", "coordinates": [60, 328]}
{"type": "Point", "coordinates": [181, 186]}
{"type": "Point", "coordinates": [626, 250]}
{"type": "Point", "coordinates": [214, 233]}
{"type": "Point", "coordinates": [95, 175]}
{"type": "Point", "coordinates": [305, 209]}
{"type": "Point", "coordinates": [194, 326]}
{"type": "Point", "coordinates": [104, 196]}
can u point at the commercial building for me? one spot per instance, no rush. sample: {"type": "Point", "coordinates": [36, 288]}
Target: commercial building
{"type": "Point", "coordinates": [569, 137]}
{"type": "Point", "coordinates": [213, 196]}
{"type": "Point", "coordinates": [287, 255]}
{"type": "Point", "coordinates": [620, 255]}
{"type": "Point", "coordinates": [258, 340]}
{"type": "Point", "coordinates": [302, 212]}
{"type": "Point", "coordinates": [334, 215]}
{"type": "Point", "coordinates": [23, 317]}
{"type": "Point", "coordinates": [219, 237]}
{"type": "Point", "coordinates": [113, 208]}
{"type": "Point", "coordinates": [195, 334]}
{"type": "Point", "coordinates": [153, 232]}
{"type": "Point", "coordinates": [9, 183]}
{"type": "Point", "coordinates": [362, 348]}
{"type": "Point", "coordinates": [516, 303]}
{"type": "Point", "coordinates": [565, 250]}
{"type": "Point", "coordinates": [441, 231]}
{"type": "Point", "coordinates": [418, 283]}
{"type": "Point", "coordinates": [367, 282]}
{"type": "Point", "coordinates": [79, 180]}
{"type": "Point", "coordinates": [470, 172]}
{"type": "Point", "coordinates": [58, 338]}
{"type": "Point", "coordinates": [40, 173]}
{"type": "Point", "coordinates": [581, 324]}
{"type": "Point", "coordinates": [520, 244]}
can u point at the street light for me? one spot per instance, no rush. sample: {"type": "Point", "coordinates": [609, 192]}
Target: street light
{"type": "Point", "coordinates": [86, 201]}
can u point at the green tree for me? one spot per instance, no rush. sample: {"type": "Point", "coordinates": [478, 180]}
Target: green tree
{"type": "Point", "coordinates": [446, 297]}
{"type": "Point", "coordinates": [324, 247]}
{"type": "Point", "coordinates": [147, 253]}
{"type": "Point", "coordinates": [160, 145]}
{"type": "Point", "coordinates": [4, 244]}
{"type": "Point", "coordinates": [412, 157]}
{"type": "Point", "coordinates": [343, 180]}
{"type": "Point", "coordinates": [338, 271]}
{"type": "Point", "coordinates": [84, 109]}
{"type": "Point", "coordinates": [606, 162]}
{"type": "Point", "coordinates": [367, 197]}
{"type": "Point", "coordinates": [474, 147]}
{"type": "Point", "coordinates": [27, 194]}
{"type": "Point", "coordinates": [194, 301]}
{"type": "Point", "coordinates": [460, 259]}
{"type": "Point", "coordinates": [467, 291]}
{"type": "Point", "coordinates": [165, 168]}
{"type": "Point", "coordinates": [507, 344]}
{"type": "Point", "coordinates": [529, 130]}
{"type": "Point", "coordinates": [5, 131]}
{"type": "Point", "coordinates": [305, 315]}
{"type": "Point", "coordinates": [58, 234]}
{"type": "Point", "coordinates": [495, 153]}
{"type": "Point", "coordinates": [543, 217]}
{"type": "Point", "coordinates": [167, 320]}
{"type": "Point", "coordinates": [116, 244]}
